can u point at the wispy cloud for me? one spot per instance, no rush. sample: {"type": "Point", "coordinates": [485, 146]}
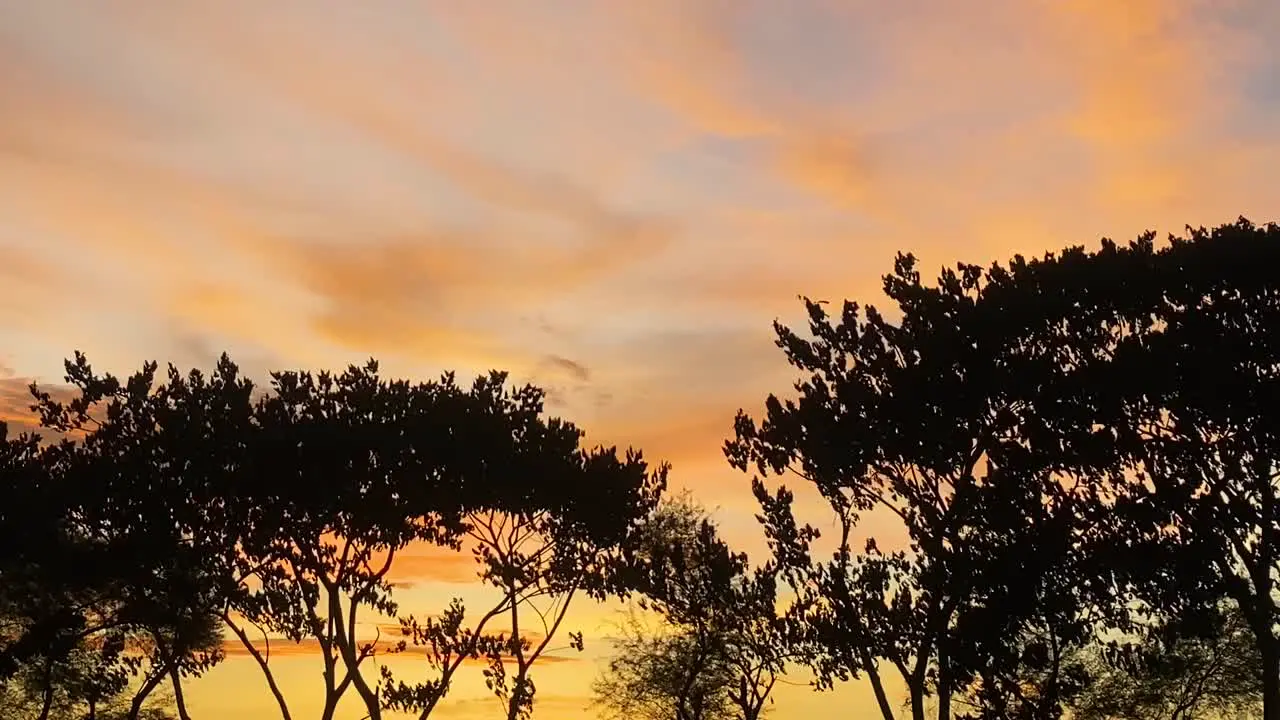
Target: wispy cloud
{"type": "Point", "coordinates": [430, 563]}
{"type": "Point", "coordinates": [16, 401]}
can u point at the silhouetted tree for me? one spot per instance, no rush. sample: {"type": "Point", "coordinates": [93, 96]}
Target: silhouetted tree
{"type": "Point", "coordinates": [1200, 413]}
{"type": "Point", "coordinates": [718, 650]}
{"type": "Point", "coordinates": [936, 424]}
{"type": "Point", "coordinates": [90, 610]}
{"type": "Point", "coordinates": [1167, 360]}
{"type": "Point", "coordinates": [536, 561]}
{"type": "Point", "coordinates": [295, 501]}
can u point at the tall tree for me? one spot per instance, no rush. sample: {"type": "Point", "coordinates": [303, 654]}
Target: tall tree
{"type": "Point", "coordinates": [1206, 430]}
{"type": "Point", "coordinates": [1175, 362]}
{"type": "Point", "coordinates": [934, 424]}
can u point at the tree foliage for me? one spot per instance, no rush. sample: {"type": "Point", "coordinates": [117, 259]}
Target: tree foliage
{"type": "Point", "coordinates": [718, 650]}
{"type": "Point", "coordinates": [284, 507]}
{"type": "Point", "coordinates": [1059, 442]}
{"type": "Point", "coordinates": [93, 612]}
{"type": "Point", "coordinates": [927, 422]}
{"type": "Point", "coordinates": [658, 672]}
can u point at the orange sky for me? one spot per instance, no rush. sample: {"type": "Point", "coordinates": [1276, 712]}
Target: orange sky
{"type": "Point", "coordinates": [610, 198]}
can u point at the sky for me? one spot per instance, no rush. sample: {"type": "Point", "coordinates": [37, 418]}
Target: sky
{"type": "Point", "coordinates": [613, 199]}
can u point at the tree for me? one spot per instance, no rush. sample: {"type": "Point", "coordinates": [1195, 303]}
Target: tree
{"type": "Point", "coordinates": [657, 673]}
{"type": "Point", "coordinates": [1204, 429]}
{"type": "Point", "coordinates": [1171, 359]}
{"type": "Point", "coordinates": [540, 560]}
{"type": "Point", "coordinates": [82, 684]}
{"type": "Point", "coordinates": [295, 501]}
{"type": "Point", "coordinates": [718, 650]}
{"type": "Point", "coordinates": [925, 422]}
{"type": "Point", "coordinates": [537, 560]}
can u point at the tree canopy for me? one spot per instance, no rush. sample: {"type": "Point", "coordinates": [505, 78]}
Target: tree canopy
{"type": "Point", "coordinates": [279, 511]}
{"type": "Point", "coordinates": [1060, 442]}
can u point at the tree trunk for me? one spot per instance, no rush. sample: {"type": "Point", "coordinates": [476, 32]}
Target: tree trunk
{"type": "Point", "coordinates": [944, 685]}
{"type": "Point", "coordinates": [262, 664]}
{"type": "Point", "coordinates": [873, 674]}
{"type": "Point", "coordinates": [368, 694]}
{"type": "Point", "coordinates": [917, 700]}
{"type": "Point", "coordinates": [517, 651]}
{"type": "Point", "coordinates": [882, 698]}
{"type": "Point", "coordinates": [48, 701]}
{"type": "Point", "coordinates": [1269, 648]}
{"type": "Point", "coordinates": [149, 685]}
{"type": "Point", "coordinates": [178, 698]}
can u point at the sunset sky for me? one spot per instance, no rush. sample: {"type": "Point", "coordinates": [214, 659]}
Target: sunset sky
{"type": "Point", "coordinates": [613, 199]}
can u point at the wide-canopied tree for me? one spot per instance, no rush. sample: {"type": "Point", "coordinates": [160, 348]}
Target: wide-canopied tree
{"type": "Point", "coordinates": [1069, 444]}
{"type": "Point", "coordinates": [1175, 362]}
{"type": "Point", "coordinates": [294, 499]}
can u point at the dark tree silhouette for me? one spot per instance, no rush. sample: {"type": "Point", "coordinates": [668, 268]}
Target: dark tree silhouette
{"type": "Point", "coordinates": [1088, 437]}
{"type": "Point", "coordinates": [293, 502]}
{"type": "Point", "coordinates": [93, 613]}
{"type": "Point", "coordinates": [928, 422]}
{"type": "Point", "coordinates": [1166, 363]}
{"type": "Point", "coordinates": [1200, 413]}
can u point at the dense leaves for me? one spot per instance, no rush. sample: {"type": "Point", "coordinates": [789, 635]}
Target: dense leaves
{"type": "Point", "coordinates": [1179, 675]}
{"type": "Point", "coordinates": [926, 423]}
{"type": "Point", "coordinates": [95, 613]}
{"type": "Point", "coordinates": [1063, 447]}
{"type": "Point", "coordinates": [279, 511]}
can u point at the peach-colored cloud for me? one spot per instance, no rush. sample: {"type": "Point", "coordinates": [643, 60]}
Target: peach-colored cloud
{"type": "Point", "coordinates": [431, 563]}
{"type": "Point", "coordinates": [16, 401]}
{"type": "Point", "coordinates": [840, 167]}
{"type": "Point", "coordinates": [433, 293]}
{"type": "Point", "coordinates": [690, 65]}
